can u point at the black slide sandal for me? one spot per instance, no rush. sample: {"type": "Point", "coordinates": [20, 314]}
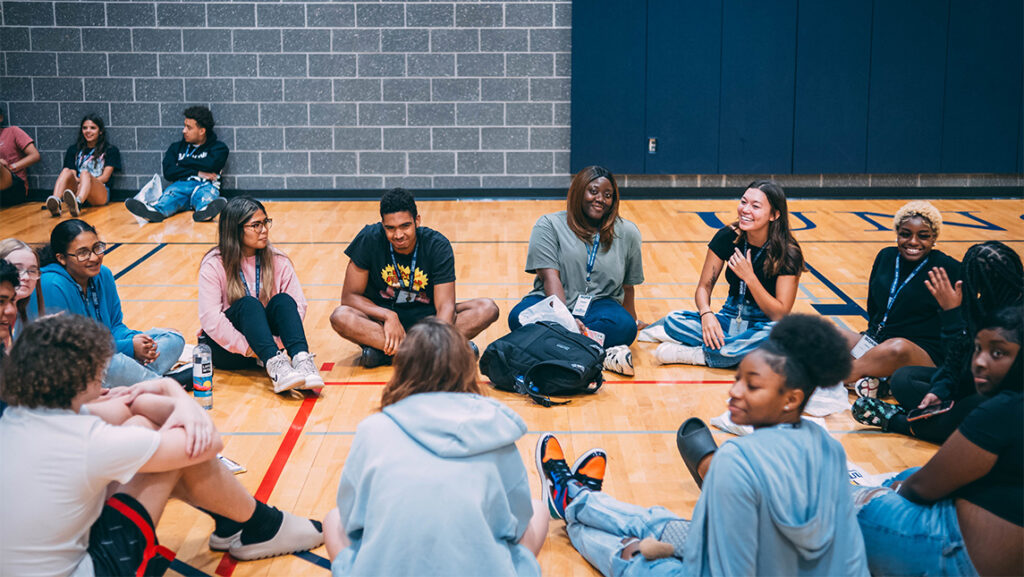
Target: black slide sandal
{"type": "Point", "coordinates": [695, 442]}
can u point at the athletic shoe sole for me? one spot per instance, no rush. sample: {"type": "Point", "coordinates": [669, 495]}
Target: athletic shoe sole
{"type": "Point", "coordinates": [296, 381]}
{"type": "Point", "coordinates": [224, 543]}
{"type": "Point", "coordinates": [210, 211]}
{"type": "Point", "coordinates": [292, 537]}
{"type": "Point", "coordinates": [545, 482]}
{"type": "Point", "coordinates": [53, 205]}
{"type": "Point", "coordinates": [71, 201]}
{"type": "Point", "coordinates": [141, 210]}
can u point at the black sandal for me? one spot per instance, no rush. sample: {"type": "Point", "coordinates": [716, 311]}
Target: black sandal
{"type": "Point", "coordinates": [875, 412]}
{"type": "Point", "coordinates": [695, 442]}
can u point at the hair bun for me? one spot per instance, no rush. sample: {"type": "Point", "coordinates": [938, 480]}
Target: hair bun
{"type": "Point", "coordinates": [816, 345]}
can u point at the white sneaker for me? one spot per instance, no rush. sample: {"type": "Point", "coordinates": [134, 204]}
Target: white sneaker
{"type": "Point", "coordinates": [619, 360]}
{"type": "Point", "coordinates": [305, 364]}
{"type": "Point", "coordinates": [654, 334]}
{"type": "Point", "coordinates": [866, 387]}
{"type": "Point", "coordinates": [673, 354]}
{"type": "Point", "coordinates": [283, 375]}
{"type": "Point", "coordinates": [53, 204]}
{"type": "Point", "coordinates": [71, 201]}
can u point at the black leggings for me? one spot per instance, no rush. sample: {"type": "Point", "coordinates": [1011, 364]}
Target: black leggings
{"type": "Point", "coordinates": [259, 325]}
{"type": "Point", "coordinates": [909, 385]}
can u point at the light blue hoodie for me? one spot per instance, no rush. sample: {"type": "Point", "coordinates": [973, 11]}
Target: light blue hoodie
{"type": "Point", "coordinates": [777, 502]}
{"type": "Point", "coordinates": [63, 293]}
{"type": "Point", "coordinates": [434, 485]}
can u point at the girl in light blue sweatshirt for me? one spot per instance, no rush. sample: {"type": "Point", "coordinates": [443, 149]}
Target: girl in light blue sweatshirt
{"type": "Point", "coordinates": [433, 484]}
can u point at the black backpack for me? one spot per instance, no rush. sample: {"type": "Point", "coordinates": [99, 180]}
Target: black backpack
{"type": "Point", "coordinates": [543, 358]}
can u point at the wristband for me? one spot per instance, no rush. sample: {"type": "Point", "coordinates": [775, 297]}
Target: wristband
{"type": "Point", "coordinates": [706, 313]}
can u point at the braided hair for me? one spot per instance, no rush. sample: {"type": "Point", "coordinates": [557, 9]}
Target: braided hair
{"type": "Point", "coordinates": [993, 278]}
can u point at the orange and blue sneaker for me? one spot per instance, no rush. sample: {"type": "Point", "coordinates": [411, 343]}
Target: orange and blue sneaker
{"type": "Point", "coordinates": [589, 469]}
{"type": "Point", "coordinates": [555, 475]}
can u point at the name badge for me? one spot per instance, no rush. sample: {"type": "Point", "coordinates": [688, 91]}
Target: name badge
{"type": "Point", "coordinates": [596, 336]}
{"type": "Point", "coordinates": [864, 345]}
{"type": "Point", "coordinates": [738, 326]}
{"type": "Point", "coordinates": [581, 306]}
{"type": "Point", "coordinates": [405, 297]}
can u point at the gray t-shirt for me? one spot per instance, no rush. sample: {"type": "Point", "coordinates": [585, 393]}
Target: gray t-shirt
{"type": "Point", "coordinates": [554, 245]}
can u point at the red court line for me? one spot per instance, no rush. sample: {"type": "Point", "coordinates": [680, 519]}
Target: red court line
{"type": "Point", "coordinates": [664, 382]}
{"type": "Point", "coordinates": [284, 452]}
{"type": "Point", "coordinates": [326, 366]}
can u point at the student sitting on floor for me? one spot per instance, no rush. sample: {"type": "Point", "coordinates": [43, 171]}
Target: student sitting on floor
{"type": "Point", "coordinates": [762, 263]}
{"type": "Point", "coordinates": [398, 274]}
{"type": "Point", "coordinates": [9, 283]}
{"type": "Point", "coordinates": [86, 475]}
{"type": "Point", "coordinates": [30, 295]}
{"type": "Point", "coordinates": [17, 152]}
{"type": "Point", "coordinates": [992, 279]}
{"type": "Point", "coordinates": [774, 502]}
{"type": "Point", "coordinates": [590, 258]}
{"type": "Point", "coordinates": [88, 166]}
{"type": "Point", "coordinates": [251, 304]}
{"type": "Point", "coordinates": [434, 484]}
{"type": "Point", "coordinates": [74, 280]}
{"type": "Point", "coordinates": [963, 512]}
{"type": "Point", "coordinates": [903, 316]}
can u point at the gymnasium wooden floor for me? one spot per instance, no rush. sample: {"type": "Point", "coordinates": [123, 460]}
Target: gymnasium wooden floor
{"type": "Point", "coordinates": [295, 447]}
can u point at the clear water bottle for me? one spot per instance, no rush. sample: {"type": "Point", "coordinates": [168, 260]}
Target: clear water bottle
{"type": "Point", "coordinates": [202, 376]}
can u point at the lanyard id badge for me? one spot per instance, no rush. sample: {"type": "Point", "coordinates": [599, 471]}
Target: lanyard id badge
{"type": "Point", "coordinates": [405, 294]}
{"type": "Point", "coordinates": [738, 325]}
{"type": "Point", "coordinates": [582, 305]}
{"type": "Point", "coordinates": [865, 344]}
{"type": "Point", "coordinates": [245, 285]}
{"type": "Point", "coordinates": [894, 290]}
{"type": "Point", "coordinates": [583, 301]}
{"type": "Point", "coordinates": [91, 296]}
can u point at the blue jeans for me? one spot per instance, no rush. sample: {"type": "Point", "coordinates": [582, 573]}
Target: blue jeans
{"type": "Point", "coordinates": [597, 523]}
{"type": "Point", "coordinates": [124, 370]}
{"type": "Point", "coordinates": [183, 193]}
{"type": "Point", "coordinates": [684, 326]}
{"type": "Point", "coordinates": [605, 316]}
{"type": "Point", "coordinates": [905, 538]}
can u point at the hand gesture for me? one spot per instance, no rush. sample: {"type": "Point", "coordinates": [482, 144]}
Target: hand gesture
{"type": "Point", "coordinates": [145, 348]}
{"type": "Point", "coordinates": [741, 266]}
{"type": "Point", "coordinates": [948, 296]}
{"type": "Point", "coordinates": [199, 428]}
{"type": "Point", "coordinates": [394, 334]}
{"type": "Point", "coordinates": [714, 338]}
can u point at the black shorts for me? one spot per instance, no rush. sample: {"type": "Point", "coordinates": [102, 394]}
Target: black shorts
{"type": "Point", "coordinates": [14, 194]}
{"type": "Point", "coordinates": [409, 316]}
{"type": "Point", "coordinates": [123, 541]}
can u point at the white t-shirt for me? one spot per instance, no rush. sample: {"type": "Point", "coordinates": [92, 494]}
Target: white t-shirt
{"type": "Point", "coordinates": [55, 467]}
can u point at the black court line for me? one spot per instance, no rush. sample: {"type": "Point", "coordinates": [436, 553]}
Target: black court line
{"type": "Point", "coordinates": [186, 569]}
{"type": "Point", "coordinates": [849, 306]}
{"type": "Point", "coordinates": [314, 559]}
{"type": "Point", "coordinates": [112, 248]}
{"type": "Point", "coordinates": [139, 261]}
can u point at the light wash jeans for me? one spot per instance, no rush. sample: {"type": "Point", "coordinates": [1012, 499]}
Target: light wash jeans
{"type": "Point", "coordinates": [597, 523]}
{"type": "Point", "coordinates": [125, 371]}
{"type": "Point", "coordinates": [183, 193]}
{"type": "Point", "coordinates": [905, 538]}
{"type": "Point", "coordinates": [685, 327]}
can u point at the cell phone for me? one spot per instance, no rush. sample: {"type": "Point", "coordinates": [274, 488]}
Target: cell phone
{"type": "Point", "coordinates": [232, 466]}
{"type": "Point", "coordinates": [929, 411]}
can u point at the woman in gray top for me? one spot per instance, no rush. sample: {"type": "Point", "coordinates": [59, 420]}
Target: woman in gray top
{"type": "Point", "coordinates": [589, 257]}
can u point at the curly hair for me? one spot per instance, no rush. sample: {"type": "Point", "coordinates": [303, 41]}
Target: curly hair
{"type": "Point", "coordinates": [55, 359]}
{"type": "Point", "coordinates": [434, 357]}
{"type": "Point", "coordinates": [202, 116]}
{"type": "Point", "coordinates": [397, 200]}
{"type": "Point", "coordinates": [922, 209]}
{"type": "Point", "coordinates": [808, 351]}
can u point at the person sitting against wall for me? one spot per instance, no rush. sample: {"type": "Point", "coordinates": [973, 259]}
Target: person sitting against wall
{"type": "Point", "coordinates": [762, 263]}
{"type": "Point", "coordinates": [589, 257]}
{"type": "Point", "coordinates": [903, 316]}
{"type": "Point", "coordinates": [992, 278]}
{"type": "Point", "coordinates": [17, 152]}
{"type": "Point", "coordinates": [74, 280]}
{"type": "Point", "coordinates": [88, 166]}
{"type": "Point", "coordinates": [29, 297]}
{"type": "Point", "coordinates": [774, 502]}
{"type": "Point", "coordinates": [963, 512]}
{"type": "Point", "coordinates": [193, 165]}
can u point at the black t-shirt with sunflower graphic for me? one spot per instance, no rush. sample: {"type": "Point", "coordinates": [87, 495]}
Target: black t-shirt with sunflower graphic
{"type": "Point", "coordinates": [435, 264]}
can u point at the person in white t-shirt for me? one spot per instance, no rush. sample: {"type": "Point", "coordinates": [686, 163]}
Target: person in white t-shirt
{"type": "Point", "coordinates": [86, 473]}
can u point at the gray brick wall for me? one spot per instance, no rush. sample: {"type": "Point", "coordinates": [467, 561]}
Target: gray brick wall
{"type": "Point", "coordinates": [308, 95]}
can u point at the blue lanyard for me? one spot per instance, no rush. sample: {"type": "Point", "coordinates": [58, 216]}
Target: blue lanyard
{"type": "Point", "coordinates": [896, 287]}
{"type": "Point", "coordinates": [90, 291]}
{"type": "Point", "coordinates": [592, 256]}
{"type": "Point", "coordinates": [246, 286]}
{"type": "Point", "coordinates": [189, 151]}
{"type": "Point", "coordinates": [412, 267]}
{"type": "Point", "coordinates": [743, 285]}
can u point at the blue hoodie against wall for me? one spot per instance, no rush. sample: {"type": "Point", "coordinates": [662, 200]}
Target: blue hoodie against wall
{"type": "Point", "coordinates": [182, 161]}
{"type": "Point", "coordinates": [63, 293]}
{"type": "Point", "coordinates": [434, 485]}
{"type": "Point", "coordinates": [776, 502]}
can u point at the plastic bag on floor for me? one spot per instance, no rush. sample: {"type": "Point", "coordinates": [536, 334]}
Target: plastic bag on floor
{"type": "Point", "coordinates": [828, 400]}
{"type": "Point", "coordinates": [724, 423]}
{"type": "Point", "coordinates": [151, 192]}
{"type": "Point", "coordinates": [550, 309]}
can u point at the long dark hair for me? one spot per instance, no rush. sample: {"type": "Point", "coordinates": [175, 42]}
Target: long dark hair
{"type": "Point", "coordinates": [574, 206]}
{"type": "Point", "coordinates": [61, 237]}
{"type": "Point", "coordinates": [993, 278]}
{"type": "Point", "coordinates": [782, 250]}
{"type": "Point", "coordinates": [229, 242]}
{"type": "Point", "coordinates": [434, 357]}
{"type": "Point", "coordinates": [101, 138]}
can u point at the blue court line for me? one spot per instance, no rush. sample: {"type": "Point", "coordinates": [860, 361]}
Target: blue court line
{"type": "Point", "coordinates": [142, 259]}
{"type": "Point", "coordinates": [849, 306]}
{"type": "Point", "coordinates": [186, 569]}
{"type": "Point", "coordinates": [314, 559]}
{"type": "Point", "coordinates": [112, 248]}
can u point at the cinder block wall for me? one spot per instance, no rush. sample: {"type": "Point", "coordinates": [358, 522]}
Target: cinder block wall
{"type": "Point", "coordinates": [308, 95]}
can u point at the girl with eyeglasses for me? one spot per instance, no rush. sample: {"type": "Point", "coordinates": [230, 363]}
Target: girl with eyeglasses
{"type": "Point", "coordinates": [251, 304]}
{"type": "Point", "coordinates": [29, 295]}
{"type": "Point", "coordinates": [74, 280]}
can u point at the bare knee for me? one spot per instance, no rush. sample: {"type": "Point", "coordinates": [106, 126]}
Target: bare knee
{"type": "Point", "coordinates": [140, 421]}
{"type": "Point", "coordinates": [487, 310]}
{"type": "Point", "coordinates": [342, 318]}
{"type": "Point", "coordinates": [900, 350]}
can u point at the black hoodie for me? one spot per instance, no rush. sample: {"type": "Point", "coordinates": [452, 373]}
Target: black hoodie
{"type": "Point", "coordinates": [183, 160]}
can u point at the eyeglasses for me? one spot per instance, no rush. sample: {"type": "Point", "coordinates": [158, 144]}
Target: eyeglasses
{"type": "Point", "coordinates": [30, 273]}
{"type": "Point", "coordinates": [258, 225]}
{"type": "Point", "coordinates": [84, 254]}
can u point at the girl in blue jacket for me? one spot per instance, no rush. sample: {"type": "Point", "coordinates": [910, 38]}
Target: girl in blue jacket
{"type": "Point", "coordinates": [74, 280]}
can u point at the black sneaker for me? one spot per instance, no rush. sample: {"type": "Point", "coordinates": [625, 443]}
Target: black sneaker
{"type": "Point", "coordinates": [555, 475]}
{"type": "Point", "coordinates": [372, 357]}
{"type": "Point", "coordinates": [183, 376]}
{"type": "Point", "coordinates": [476, 350]}
{"type": "Point", "coordinates": [210, 211]}
{"type": "Point", "coordinates": [143, 210]}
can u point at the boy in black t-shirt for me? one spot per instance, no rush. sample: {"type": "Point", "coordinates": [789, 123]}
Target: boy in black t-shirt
{"type": "Point", "coordinates": [398, 274]}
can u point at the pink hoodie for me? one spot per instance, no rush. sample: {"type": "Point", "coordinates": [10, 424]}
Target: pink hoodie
{"type": "Point", "coordinates": [213, 296]}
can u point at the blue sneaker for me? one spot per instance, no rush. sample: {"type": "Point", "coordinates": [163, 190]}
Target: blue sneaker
{"type": "Point", "coordinates": [554, 475]}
